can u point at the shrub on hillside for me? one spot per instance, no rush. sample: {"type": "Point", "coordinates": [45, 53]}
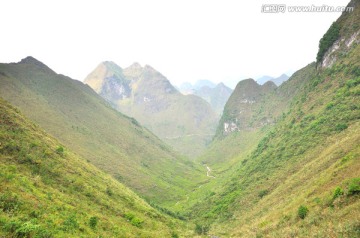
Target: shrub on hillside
{"type": "Point", "coordinates": [70, 223]}
{"type": "Point", "coordinates": [354, 186]}
{"type": "Point", "coordinates": [135, 221]}
{"type": "Point", "coordinates": [202, 229]}
{"type": "Point", "coordinates": [341, 127]}
{"type": "Point", "coordinates": [109, 191]}
{"type": "Point", "coordinates": [9, 202]}
{"type": "Point", "coordinates": [174, 235]}
{"type": "Point", "coordinates": [129, 216]}
{"type": "Point", "coordinates": [302, 211]}
{"type": "Point", "coordinates": [93, 222]}
{"type": "Point", "coordinates": [263, 193]}
{"type": "Point", "coordinates": [26, 229]}
{"type": "Point", "coordinates": [60, 150]}
{"type": "Point", "coordinates": [337, 192]}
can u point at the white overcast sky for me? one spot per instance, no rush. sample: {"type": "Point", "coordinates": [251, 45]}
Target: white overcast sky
{"type": "Point", "coordinates": [185, 40]}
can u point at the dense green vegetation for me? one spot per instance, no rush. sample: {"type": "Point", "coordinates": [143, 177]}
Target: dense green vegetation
{"type": "Point", "coordinates": [328, 40]}
{"type": "Point", "coordinates": [302, 169]}
{"type": "Point", "coordinates": [50, 192]}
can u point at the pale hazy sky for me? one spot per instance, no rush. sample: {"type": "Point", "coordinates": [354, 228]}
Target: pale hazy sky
{"type": "Point", "coordinates": [184, 40]}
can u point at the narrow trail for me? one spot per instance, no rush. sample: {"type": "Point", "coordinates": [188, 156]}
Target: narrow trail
{"type": "Point", "coordinates": [208, 172]}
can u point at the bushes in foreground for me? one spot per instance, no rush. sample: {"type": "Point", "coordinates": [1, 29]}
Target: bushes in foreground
{"type": "Point", "coordinates": [302, 211]}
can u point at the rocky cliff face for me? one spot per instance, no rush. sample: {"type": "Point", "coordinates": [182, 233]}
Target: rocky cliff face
{"type": "Point", "coordinates": [113, 89]}
{"type": "Point", "coordinates": [340, 47]}
{"type": "Point", "coordinates": [341, 37]}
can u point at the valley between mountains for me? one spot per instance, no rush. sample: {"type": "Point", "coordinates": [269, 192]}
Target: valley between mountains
{"type": "Point", "coordinates": [127, 154]}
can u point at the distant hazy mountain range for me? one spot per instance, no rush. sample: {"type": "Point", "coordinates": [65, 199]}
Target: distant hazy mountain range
{"type": "Point", "coordinates": [187, 122]}
{"type": "Point", "coordinates": [278, 81]}
{"type": "Point", "coordinates": [215, 94]}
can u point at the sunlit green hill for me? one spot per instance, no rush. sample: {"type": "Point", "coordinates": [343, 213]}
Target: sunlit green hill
{"type": "Point", "coordinates": [49, 191]}
{"type": "Point", "coordinates": [85, 123]}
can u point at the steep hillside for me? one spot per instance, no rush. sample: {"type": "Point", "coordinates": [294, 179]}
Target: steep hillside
{"type": "Point", "coordinates": [185, 122]}
{"type": "Point", "coordinates": [302, 178]}
{"type": "Point", "coordinates": [79, 118]}
{"type": "Point", "coordinates": [48, 191]}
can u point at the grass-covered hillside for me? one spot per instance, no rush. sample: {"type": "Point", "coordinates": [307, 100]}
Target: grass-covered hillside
{"type": "Point", "coordinates": [84, 122]}
{"type": "Point", "coordinates": [301, 179]}
{"type": "Point", "coordinates": [186, 122]}
{"type": "Point", "coordinates": [49, 191]}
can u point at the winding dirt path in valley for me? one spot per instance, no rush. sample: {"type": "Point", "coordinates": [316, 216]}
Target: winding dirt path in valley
{"type": "Point", "coordinates": [208, 172]}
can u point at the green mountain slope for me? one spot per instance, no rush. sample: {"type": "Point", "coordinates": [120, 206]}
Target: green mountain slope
{"type": "Point", "coordinates": [48, 191]}
{"type": "Point", "coordinates": [301, 179]}
{"type": "Point", "coordinates": [250, 112]}
{"type": "Point", "coordinates": [185, 122]}
{"type": "Point", "coordinates": [79, 118]}
{"type": "Point", "coordinates": [231, 149]}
